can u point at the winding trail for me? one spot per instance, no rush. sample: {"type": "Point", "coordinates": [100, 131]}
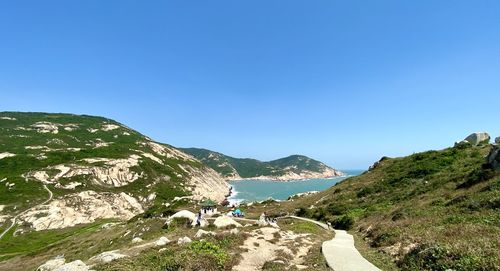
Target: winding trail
{"type": "Point", "coordinates": [340, 252]}
{"type": "Point", "coordinates": [15, 217]}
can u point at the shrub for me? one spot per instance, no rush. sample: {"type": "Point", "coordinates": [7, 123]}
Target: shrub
{"type": "Point", "coordinates": [210, 249]}
{"type": "Point", "coordinates": [344, 222]}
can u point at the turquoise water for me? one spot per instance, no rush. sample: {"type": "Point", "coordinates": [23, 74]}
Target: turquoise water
{"type": "Point", "coordinates": [255, 190]}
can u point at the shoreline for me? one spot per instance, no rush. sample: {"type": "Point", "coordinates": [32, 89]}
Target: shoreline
{"type": "Point", "coordinates": [258, 179]}
{"type": "Point", "coordinates": [234, 199]}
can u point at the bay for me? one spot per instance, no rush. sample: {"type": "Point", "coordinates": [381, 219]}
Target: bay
{"type": "Point", "coordinates": [258, 190]}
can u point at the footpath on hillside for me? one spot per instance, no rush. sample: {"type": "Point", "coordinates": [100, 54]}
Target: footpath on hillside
{"type": "Point", "coordinates": [340, 252]}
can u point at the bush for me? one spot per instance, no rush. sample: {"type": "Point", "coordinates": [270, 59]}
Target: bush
{"type": "Point", "coordinates": [344, 222]}
{"type": "Point", "coordinates": [210, 249]}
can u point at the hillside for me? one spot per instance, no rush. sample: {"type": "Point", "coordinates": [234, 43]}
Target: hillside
{"type": "Point", "coordinates": [93, 168]}
{"type": "Point", "coordinates": [436, 210]}
{"type": "Point", "coordinates": [294, 167]}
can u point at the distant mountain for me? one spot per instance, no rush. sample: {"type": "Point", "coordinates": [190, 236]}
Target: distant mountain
{"type": "Point", "coordinates": [94, 167]}
{"type": "Point", "coordinates": [294, 167]}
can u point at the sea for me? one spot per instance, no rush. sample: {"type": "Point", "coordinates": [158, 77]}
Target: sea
{"type": "Point", "coordinates": [258, 190]}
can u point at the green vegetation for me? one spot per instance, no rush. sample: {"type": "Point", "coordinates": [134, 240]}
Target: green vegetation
{"type": "Point", "coordinates": [249, 168]}
{"type": "Point", "coordinates": [434, 210]}
{"type": "Point", "coordinates": [78, 137]}
{"type": "Point", "coordinates": [210, 254]}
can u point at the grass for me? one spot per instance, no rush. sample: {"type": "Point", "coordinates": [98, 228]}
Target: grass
{"type": "Point", "coordinates": [433, 200]}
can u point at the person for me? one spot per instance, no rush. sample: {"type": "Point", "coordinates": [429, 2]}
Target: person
{"type": "Point", "coordinates": [198, 220]}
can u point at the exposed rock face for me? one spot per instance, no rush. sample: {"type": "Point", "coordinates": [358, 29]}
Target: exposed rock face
{"type": "Point", "coordinates": [84, 207]}
{"type": "Point", "coordinates": [225, 221]}
{"type": "Point", "coordinates": [107, 257]}
{"type": "Point", "coordinates": [114, 172]}
{"type": "Point", "coordinates": [477, 138]}
{"type": "Point", "coordinates": [493, 158]}
{"type": "Point", "coordinates": [6, 154]}
{"type": "Point", "coordinates": [52, 264]}
{"type": "Point", "coordinates": [162, 241]}
{"type": "Point", "coordinates": [59, 264]}
{"type": "Point", "coordinates": [206, 183]}
{"type": "Point", "coordinates": [202, 233]}
{"type": "Point", "coordinates": [184, 240]}
{"type": "Point", "coordinates": [189, 215]}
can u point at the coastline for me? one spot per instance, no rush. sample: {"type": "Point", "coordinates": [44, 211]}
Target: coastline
{"type": "Point", "coordinates": [292, 177]}
{"type": "Point", "coordinates": [242, 194]}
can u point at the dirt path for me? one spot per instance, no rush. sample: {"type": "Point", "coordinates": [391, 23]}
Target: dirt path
{"type": "Point", "coordinates": [15, 217]}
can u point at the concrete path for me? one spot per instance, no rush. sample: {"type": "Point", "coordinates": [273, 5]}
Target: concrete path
{"type": "Point", "coordinates": [14, 218]}
{"type": "Point", "coordinates": [341, 255]}
{"type": "Point", "coordinates": [340, 252]}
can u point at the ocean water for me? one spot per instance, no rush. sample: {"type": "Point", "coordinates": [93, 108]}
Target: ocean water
{"type": "Point", "coordinates": [257, 190]}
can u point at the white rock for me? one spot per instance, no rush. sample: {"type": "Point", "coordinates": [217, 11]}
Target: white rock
{"type": "Point", "coordinates": [136, 240]}
{"type": "Point", "coordinates": [189, 215]}
{"type": "Point", "coordinates": [83, 207]}
{"type": "Point", "coordinates": [73, 266]}
{"type": "Point", "coordinates": [225, 221]}
{"type": "Point", "coordinates": [234, 231]}
{"type": "Point", "coordinates": [184, 240]}
{"type": "Point", "coordinates": [107, 257]}
{"type": "Point", "coordinates": [161, 249]}
{"type": "Point", "coordinates": [476, 138]}
{"type": "Point", "coordinates": [6, 154]}
{"type": "Point", "coordinates": [202, 233]}
{"type": "Point", "coordinates": [162, 241]}
{"type": "Point", "coordinates": [262, 221]}
{"type": "Point", "coordinates": [109, 127]}
{"type": "Point", "coordinates": [52, 264]}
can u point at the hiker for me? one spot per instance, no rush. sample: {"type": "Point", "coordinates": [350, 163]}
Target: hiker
{"type": "Point", "coordinates": [198, 219]}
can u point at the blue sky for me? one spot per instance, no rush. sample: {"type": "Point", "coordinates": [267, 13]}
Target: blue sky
{"type": "Point", "coordinates": [345, 82]}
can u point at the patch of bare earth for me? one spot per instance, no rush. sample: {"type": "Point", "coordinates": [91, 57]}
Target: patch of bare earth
{"type": "Point", "coordinates": [272, 244]}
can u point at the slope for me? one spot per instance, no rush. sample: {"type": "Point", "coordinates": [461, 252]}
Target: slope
{"type": "Point", "coordinates": [293, 167]}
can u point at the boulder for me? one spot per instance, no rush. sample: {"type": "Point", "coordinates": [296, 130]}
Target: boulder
{"type": "Point", "coordinates": [73, 266]}
{"type": "Point", "coordinates": [107, 257]}
{"type": "Point", "coordinates": [202, 233]}
{"type": "Point", "coordinates": [497, 140]}
{"type": "Point", "coordinates": [262, 221]}
{"type": "Point", "coordinates": [184, 240]}
{"type": "Point", "coordinates": [162, 241]}
{"type": "Point", "coordinates": [136, 240]}
{"type": "Point", "coordinates": [478, 138]}
{"type": "Point", "coordinates": [225, 221]}
{"type": "Point", "coordinates": [189, 215]}
{"type": "Point", "coordinates": [51, 265]}
{"type": "Point", "coordinates": [493, 158]}
{"type": "Point", "coordinates": [234, 231]}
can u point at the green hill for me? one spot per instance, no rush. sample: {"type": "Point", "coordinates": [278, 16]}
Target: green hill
{"type": "Point", "coordinates": [88, 162]}
{"type": "Point", "coordinates": [436, 210]}
{"type": "Point", "coordinates": [288, 168]}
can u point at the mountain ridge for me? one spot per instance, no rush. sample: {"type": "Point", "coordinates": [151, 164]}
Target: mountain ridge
{"type": "Point", "coordinates": [292, 167]}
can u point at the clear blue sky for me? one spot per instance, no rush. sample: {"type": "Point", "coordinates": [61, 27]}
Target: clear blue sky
{"type": "Point", "coordinates": [345, 82]}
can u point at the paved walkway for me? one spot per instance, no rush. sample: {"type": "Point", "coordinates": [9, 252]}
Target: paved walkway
{"type": "Point", "coordinates": [340, 252]}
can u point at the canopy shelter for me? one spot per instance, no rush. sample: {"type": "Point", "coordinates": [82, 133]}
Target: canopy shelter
{"type": "Point", "coordinates": [208, 203]}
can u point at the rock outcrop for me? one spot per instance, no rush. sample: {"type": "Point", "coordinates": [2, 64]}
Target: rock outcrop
{"type": "Point", "coordinates": [107, 257]}
{"type": "Point", "coordinates": [83, 207]}
{"type": "Point", "coordinates": [225, 221]}
{"type": "Point", "coordinates": [493, 158]}
{"type": "Point", "coordinates": [162, 241]}
{"type": "Point", "coordinates": [478, 138]}
{"type": "Point", "coordinates": [189, 215]}
{"type": "Point", "coordinates": [184, 240]}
